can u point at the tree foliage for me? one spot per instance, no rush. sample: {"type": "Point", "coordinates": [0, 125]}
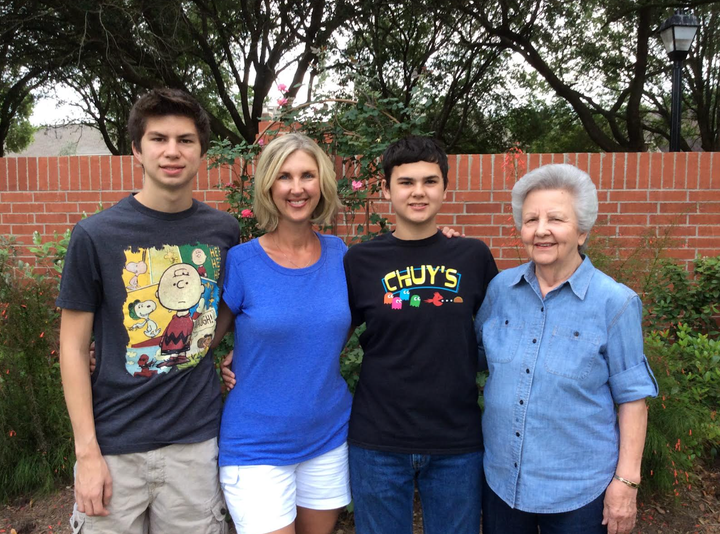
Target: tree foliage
{"type": "Point", "coordinates": [228, 54]}
{"type": "Point", "coordinates": [20, 133]}
{"type": "Point", "coordinates": [703, 80]}
{"type": "Point", "coordinates": [479, 66]}
{"type": "Point", "coordinates": [411, 51]}
{"type": "Point", "coordinates": [604, 59]}
{"type": "Point", "coordinates": [25, 65]}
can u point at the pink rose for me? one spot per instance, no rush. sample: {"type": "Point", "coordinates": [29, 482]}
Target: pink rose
{"type": "Point", "coordinates": [357, 185]}
{"type": "Point", "coordinates": [246, 213]}
{"type": "Point", "coordinates": [282, 101]}
{"type": "Point", "coordinates": [261, 142]}
{"type": "Point", "coordinates": [282, 87]}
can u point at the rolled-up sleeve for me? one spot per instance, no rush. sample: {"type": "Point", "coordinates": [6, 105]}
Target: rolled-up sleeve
{"type": "Point", "coordinates": [630, 375]}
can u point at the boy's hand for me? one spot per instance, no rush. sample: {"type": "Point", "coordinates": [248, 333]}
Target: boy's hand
{"type": "Point", "coordinates": [451, 232]}
{"type": "Point", "coordinates": [228, 377]}
{"type": "Point", "coordinates": [93, 485]}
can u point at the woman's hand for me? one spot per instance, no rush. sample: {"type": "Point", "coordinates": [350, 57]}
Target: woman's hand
{"type": "Point", "coordinates": [228, 377]}
{"type": "Point", "coordinates": [620, 510]}
{"type": "Point", "coordinates": [93, 361]}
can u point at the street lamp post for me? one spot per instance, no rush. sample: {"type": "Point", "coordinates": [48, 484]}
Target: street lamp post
{"type": "Point", "coordinates": [677, 34]}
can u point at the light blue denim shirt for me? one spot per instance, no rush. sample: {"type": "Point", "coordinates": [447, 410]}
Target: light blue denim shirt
{"type": "Point", "coordinates": [558, 366]}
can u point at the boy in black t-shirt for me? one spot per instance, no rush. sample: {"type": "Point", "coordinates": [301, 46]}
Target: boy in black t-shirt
{"type": "Point", "coordinates": [143, 277]}
{"type": "Point", "coordinates": [415, 417]}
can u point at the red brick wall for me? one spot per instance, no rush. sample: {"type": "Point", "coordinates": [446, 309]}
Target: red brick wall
{"type": "Point", "coordinates": [679, 192]}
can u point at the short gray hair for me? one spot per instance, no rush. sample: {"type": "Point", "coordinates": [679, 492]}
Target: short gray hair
{"type": "Point", "coordinates": [559, 176]}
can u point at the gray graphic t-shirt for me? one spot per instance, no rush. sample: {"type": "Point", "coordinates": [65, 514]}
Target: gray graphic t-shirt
{"type": "Point", "coordinates": [153, 281]}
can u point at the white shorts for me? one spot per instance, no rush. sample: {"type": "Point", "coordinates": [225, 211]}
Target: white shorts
{"type": "Point", "coordinates": [264, 498]}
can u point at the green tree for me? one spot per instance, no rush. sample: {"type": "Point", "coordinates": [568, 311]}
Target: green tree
{"type": "Point", "coordinates": [20, 133]}
{"type": "Point", "coordinates": [539, 127]}
{"type": "Point", "coordinates": [704, 78]}
{"type": "Point", "coordinates": [411, 51]}
{"type": "Point", "coordinates": [107, 102]}
{"type": "Point", "coordinates": [605, 60]}
{"type": "Point", "coordinates": [458, 58]}
{"type": "Point", "coordinates": [21, 72]}
{"type": "Point", "coordinates": [226, 53]}
{"type": "Point", "coordinates": [701, 94]}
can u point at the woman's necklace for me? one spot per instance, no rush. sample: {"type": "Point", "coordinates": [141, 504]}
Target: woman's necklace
{"type": "Point", "coordinates": [312, 253]}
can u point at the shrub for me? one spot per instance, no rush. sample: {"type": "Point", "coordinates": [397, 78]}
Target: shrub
{"type": "Point", "coordinates": [636, 267]}
{"type": "Point", "coordinates": [351, 359]}
{"type": "Point", "coordinates": [670, 293]}
{"type": "Point", "coordinates": [677, 296]}
{"type": "Point", "coordinates": [683, 427]}
{"type": "Point", "coordinates": [50, 255]}
{"type": "Point", "coordinates": [239, 190]}
{"type": "Point", "coordinates": [36, 446]}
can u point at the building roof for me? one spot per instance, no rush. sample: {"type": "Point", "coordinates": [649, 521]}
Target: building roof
{"type": "Point", "coordinates": [67, 140]}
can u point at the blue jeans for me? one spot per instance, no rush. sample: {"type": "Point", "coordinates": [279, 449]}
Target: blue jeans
{"type": "Point", "coordinates": [499, 518]}
{"type": "Point", "coordinates": [383, 486]}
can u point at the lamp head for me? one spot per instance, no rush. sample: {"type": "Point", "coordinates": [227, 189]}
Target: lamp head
{"type": "Point", "coordinates": [677, 34]}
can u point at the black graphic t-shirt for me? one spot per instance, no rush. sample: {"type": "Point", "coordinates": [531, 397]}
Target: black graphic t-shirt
{"type": "Point", "coordinates": [417, 392]}
{"type": "Point", "coordinates": [153, 281]}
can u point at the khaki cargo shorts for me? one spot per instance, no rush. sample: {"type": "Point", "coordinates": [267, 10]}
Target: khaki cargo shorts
{"type": "Point", "coordinates": [171, 490]}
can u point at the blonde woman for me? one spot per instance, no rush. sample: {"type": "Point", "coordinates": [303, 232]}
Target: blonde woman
{"type": "Point", "coordinates": [283, 452]}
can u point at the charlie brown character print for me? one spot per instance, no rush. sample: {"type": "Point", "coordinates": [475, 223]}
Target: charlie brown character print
{"type": "Point", "coordinates": [171, 302]}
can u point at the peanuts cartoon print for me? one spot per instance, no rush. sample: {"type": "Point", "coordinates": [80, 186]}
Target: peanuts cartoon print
{"type": "Point", "coordinates": [171, 307]}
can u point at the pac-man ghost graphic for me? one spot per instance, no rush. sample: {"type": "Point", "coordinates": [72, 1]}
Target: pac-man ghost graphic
{"type": "Point", "coordinates": [415, 301]}
{"type": "Point", "coordinates": [397, 303]}
{"type": "Point", "coordinates": [405, 294]}
{"type": "Point", "coordinates": [388, 299]}
{"type": "Point", "coordinates": [436, 299]}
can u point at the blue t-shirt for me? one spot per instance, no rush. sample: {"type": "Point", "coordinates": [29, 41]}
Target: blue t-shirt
{"type": "Point", "coordinates": [290, 403]}
{"type": "Point", "coordinates": [558, 365]}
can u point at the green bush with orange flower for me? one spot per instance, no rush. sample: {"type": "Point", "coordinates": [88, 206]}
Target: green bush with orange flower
{"type": "Point", "coordinates": [36, 446]}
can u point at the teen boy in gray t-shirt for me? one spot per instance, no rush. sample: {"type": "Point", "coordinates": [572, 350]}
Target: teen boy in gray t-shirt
{"type": "Point", "coordinates": [143, 277]}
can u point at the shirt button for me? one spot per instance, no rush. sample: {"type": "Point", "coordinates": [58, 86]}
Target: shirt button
{"type": "Point", "coordinates": [542, 309]}
{"type": "Point", "coordinates": [527, 371]}
{"type": "Point", "coordinates": [515, 464]}
{"type": "Point", "coordinates": [517, 434]}
{"type": "Point", "coordinates": [534, 340]}
{"type": "Point", "coordinates": [506, 321]}
{"type": "Point", "coordinates": [521, 403]}
{"type": "Point", "coordinates": [577, 334]}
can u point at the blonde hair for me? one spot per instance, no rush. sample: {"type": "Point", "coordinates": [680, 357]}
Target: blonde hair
{"type": "Point", "coordinates": [268, 167]}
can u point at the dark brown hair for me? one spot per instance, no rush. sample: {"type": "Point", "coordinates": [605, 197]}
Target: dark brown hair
{"type": "Point", "coordinates": [162, 102]}
{"type": "Point", "coordinates": [412, 149]}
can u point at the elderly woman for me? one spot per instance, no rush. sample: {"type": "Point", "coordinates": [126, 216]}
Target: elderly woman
{"type": "Point", "coordinates": [564, 346]}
